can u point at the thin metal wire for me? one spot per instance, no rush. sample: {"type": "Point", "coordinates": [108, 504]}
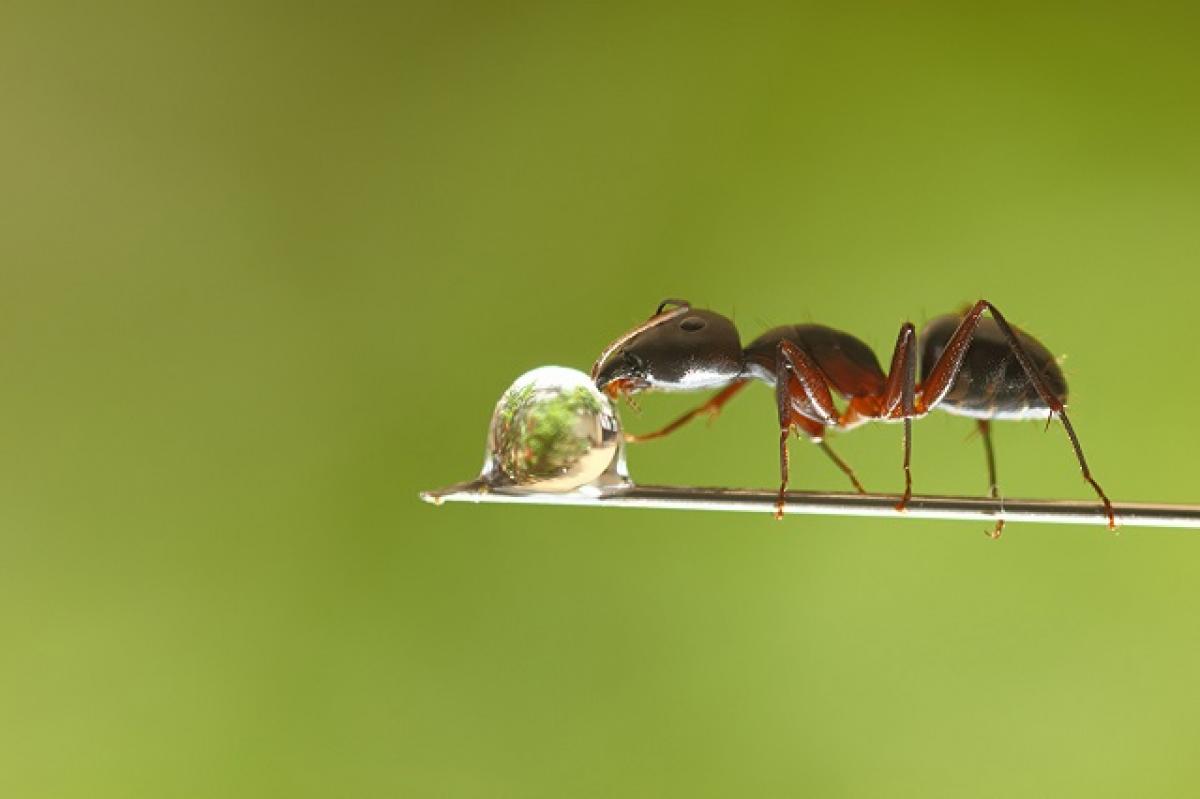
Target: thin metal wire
{"type": "Point", "coordinates": [835, 504]}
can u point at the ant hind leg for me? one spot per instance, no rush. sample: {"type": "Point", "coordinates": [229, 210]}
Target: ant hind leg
{"type": "Point", "coordinates": [985, 432]}
{"type": "Point", "coordinates": [944, 372]}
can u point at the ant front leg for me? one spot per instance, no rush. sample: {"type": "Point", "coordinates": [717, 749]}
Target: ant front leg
{"type": "Point", "coordinates": [803, 399]}
{"type": "Point", "coordinates": [712, 408]}
{"type": "Point", "coordinates": [944, 372]}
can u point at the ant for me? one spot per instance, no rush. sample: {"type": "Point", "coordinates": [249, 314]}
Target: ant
{"type": "Point", "coordinates": [971, 365]}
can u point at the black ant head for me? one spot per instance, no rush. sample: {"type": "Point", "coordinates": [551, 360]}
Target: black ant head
{"type": "Point", "coordinates": [680, 349]}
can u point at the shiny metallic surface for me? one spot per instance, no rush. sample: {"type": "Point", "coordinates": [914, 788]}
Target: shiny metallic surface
{"type": "Point", "coordinates": [553, 432]}
{"type": "Point", "coordinates": [838, 504]}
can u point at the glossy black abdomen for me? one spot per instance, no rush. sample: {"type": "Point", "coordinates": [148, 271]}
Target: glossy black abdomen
{"type": "Point", "coordinates": [851, 366]}
{"type": "Point", "coordinates": [992, 384]}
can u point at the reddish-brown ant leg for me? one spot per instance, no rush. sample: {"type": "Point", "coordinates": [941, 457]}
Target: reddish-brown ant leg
{"type": "Point", "coordinates": [903, 364]}
{"type": "Point", "coordinates": [814, 387]}
{"type": "Point", "coordinates": [712, 407]}
{"type": "Point", "coordinates": [783, 403]}
{"type": "Point", "coordinates": [815, 432]}
{"type": "Point", "coordinates": [942, 376]}
{"type": "Point", "coordinates": [793, 366]}
{"type": "Point", "coordinates": [817, 436]}
{"type": "Point", "coordinates": [841, 464]}
{"type": "Point", "coordinates": [899, 398]}
{"type": "Point", "coordinates": [985, 432]}
{"type": "Point", "coordinates": [1056, 407]}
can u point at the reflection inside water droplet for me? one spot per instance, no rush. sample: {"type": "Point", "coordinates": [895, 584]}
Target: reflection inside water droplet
{"type": "Point", "coordinates": [553, 431]}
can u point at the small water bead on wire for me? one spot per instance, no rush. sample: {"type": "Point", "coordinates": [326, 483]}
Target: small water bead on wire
{"type": "Point", "coordinates": [553, 432]}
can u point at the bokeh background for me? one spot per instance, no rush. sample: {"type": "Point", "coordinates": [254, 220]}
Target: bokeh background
{"type": "Point", "coordinates": [266, 268]}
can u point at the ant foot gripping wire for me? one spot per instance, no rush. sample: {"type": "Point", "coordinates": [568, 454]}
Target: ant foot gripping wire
{"type": "Point", "coordinates": [780, 502]}
{"type": "Point", "coordinates": [906, 497]}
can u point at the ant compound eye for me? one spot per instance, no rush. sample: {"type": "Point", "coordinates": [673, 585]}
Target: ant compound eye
{"type": "Point", "coordinates": [692, 324]}
{"type": "Point", "coordinates": [634, 362]}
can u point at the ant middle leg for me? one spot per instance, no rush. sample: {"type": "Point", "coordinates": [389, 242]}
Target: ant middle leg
{"type": "Point", "coordinates": [899, 398]}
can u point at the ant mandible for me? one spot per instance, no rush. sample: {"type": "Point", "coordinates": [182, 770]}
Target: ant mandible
{"type": "Point", "coordinates": [971, 365]}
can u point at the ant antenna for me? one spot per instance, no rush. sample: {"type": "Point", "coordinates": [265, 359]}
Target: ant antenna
{"type": "Point", "coordinates": [659, 318]}
{"type": "Point", "coordinates": [666, 302]}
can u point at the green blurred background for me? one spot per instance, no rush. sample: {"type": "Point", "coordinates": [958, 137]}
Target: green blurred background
{"type": "Point", "coordinates": [266, 269]}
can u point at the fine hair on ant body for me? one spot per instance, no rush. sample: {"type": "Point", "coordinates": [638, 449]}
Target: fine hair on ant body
{"type": "Point", "coordinates": [970, 365]}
